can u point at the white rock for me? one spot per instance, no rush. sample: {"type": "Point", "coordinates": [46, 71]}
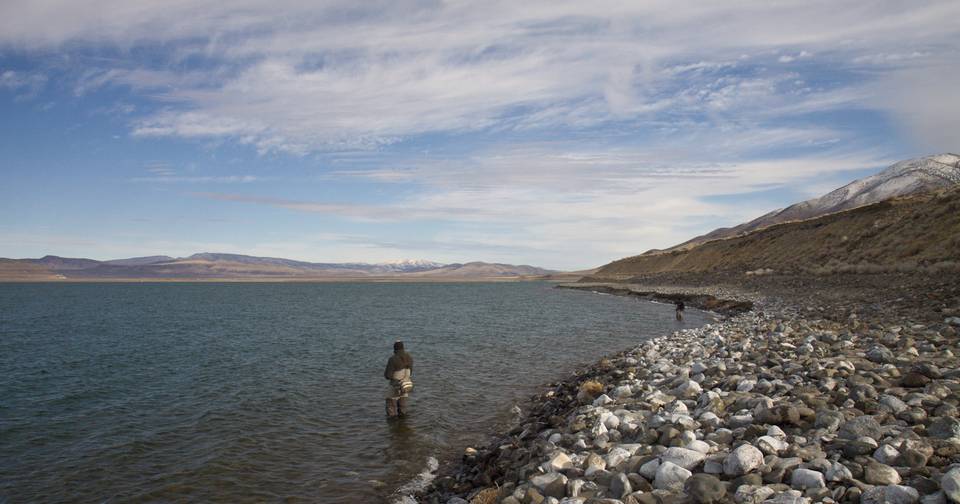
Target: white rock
{"type": "Point", "coordinates": [803, 479]}
{"type": "Point", "coordinates": [950, 484]}
{"type": "Point", "coordinates": [747, 494]}
{"type": "Point", "coordinates": [555, 437]}
{"type": "Point", "coordinates": [746, 385]}
{"type": "Point", "coordinates": [573, 500]}
{"type": "Point", "coordinates": [622, 391]}
{"type": "Point", "coordinates": [683, 457]}
{"type": "Point", "coordinates": [890, 494]}
{"type": "Point", "coordinates": [742, 460]}
{"type": "Point", "coordinates": [777, 432]}
{"type": "Point", "coordinates": [602, 400]}
{"type": "Point", "coordinates": [616, 457]}
{"type": "Point", "coordinates": [670, 477]}
{"type": "Point", "coordinates": [771, 445]}
{"type": "Point", "coordinates": [688, 389]}
{"type": "Point", "coordinates": [700, 446]}
{"type": "Point", "coordinates": [611, 422]}
{"type": "Point", "coordinates": [598, 429]}
{"type": "Point", "coordinates": [838, 472]}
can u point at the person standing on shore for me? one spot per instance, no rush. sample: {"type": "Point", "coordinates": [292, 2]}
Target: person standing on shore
{"type": "Point", "coordinates": [680, 309]}
{"type": "Point", "coordinates": [399, 371]}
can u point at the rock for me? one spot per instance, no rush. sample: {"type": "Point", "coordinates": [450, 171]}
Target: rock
{"type": "Point", "coordinates": [747, 494]}
{"type": "Point", "coordinates": [880, 355]}
{"type": "Point", "coordinates": [670, 477]}
{"type": "Point", "coordinates": [688, 389]}
{"type": "Point", "coordinates": [886, 454]}
{"type": "Point", "coordinates": [950, 484]}
{"type": "Point", "coordinates": [838, 472]}
{"type": "Point", "coordinates": [544, 481]}
{"type": "Point", "coordinates": [457, 500]}
{"type": "Point", "coordinates": [620, 486]}
{"type": "Point", "coordinates": [771, 445]}
{"type": "Point", "coordinates": [944, 428]}
{"type": "Point", "coordinates": [602, 400]}
{"type": "Point", "coordinates": [559, 462]}
{"type": "Point", "coordinates": [829, 420]}
{"type": "Point", "coordinates": [616, 457]}
{"type": "Point", "coordinates": [593, 464]}
{"type": "Point", "coordinates": [880, 474]}
{"type": "Point", "coordinates": [803, 479]}
{"type": "Point", "coordinates": [649, 469]}
{"type": "Point", "coordinates": [683, 457]}
{"type": "Point", "coordinates": [862, 426]}
{"type": "Point", "coordinates": [704, 489]}
{"type": "Point", "coordinates": [742, 460]}
{"type": "Point", "coordinates": [622, 391]}
{"type": "Point", "coordinates": [892, 494]}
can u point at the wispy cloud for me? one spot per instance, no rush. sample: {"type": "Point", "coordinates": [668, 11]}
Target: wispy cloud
{"type": "Point", "coordinates": [294, 77]}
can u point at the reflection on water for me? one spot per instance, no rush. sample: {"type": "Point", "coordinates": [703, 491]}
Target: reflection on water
{"type": "Point", "coordinates": [267, 392]}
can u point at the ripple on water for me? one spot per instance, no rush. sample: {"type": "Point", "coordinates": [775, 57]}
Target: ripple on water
{"type": "Point", "coordinates": [266, 392]}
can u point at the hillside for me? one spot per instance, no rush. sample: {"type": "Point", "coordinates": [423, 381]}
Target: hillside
{"type": "Point", "coordinates": [908, 177]}
{"type": "Point", "coordinates": [919, 232]}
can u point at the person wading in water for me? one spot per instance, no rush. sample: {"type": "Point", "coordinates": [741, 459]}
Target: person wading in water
{"type": "Point", "coordinates": [399, 370]}
{"type": "Point", "coordinates": [680, 308]}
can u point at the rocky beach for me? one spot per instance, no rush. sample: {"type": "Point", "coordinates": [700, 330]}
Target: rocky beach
{"type": "Point", "coordinates": [830, 389]}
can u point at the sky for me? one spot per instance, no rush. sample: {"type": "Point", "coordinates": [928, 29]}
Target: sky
{"type": "Point", "coordinates": [557, 134]}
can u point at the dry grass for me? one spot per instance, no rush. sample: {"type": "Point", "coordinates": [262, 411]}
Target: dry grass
{"type": "Point", "coordinates": [486, 496]}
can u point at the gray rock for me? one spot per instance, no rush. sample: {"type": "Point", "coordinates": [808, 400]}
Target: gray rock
{"type": "Point", "coordinates": [880, 355]}
{"type": "Point", "coordinates": [944, 428]}
{"type": "Point", "coordinates": [742, 460]}
{"type": "Point", "coordinates": [880, 474]}
{"type": "Point", "coordinates": [862, 426]}
{"type": "Point", "coordinates": [457, 500]}
{"type": "Point", "coordinates": [950, 484]}
{"type": "Point", "coordinates": [620, 486]}
{"type": "Point", "coordinates": [891, 494]}
{"type": "Point", "coordinates": [829, 420]}
{"type": "Point", "coordinates": [704, 489]}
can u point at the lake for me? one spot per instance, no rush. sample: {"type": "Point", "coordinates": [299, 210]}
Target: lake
{"type": "Point", "coordinates": [253, 392]}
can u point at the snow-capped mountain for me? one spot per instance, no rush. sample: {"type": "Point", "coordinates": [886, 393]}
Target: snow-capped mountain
{"type": "Point", "coordinates": [408, 265]}
{"type": "Point", "coordinates": [903, 178]}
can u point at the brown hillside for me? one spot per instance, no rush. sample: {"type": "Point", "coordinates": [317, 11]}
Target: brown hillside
{"type": "Point", "coordinates": [904, 234]}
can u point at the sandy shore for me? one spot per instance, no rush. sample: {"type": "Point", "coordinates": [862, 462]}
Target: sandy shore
{"type": "Point", "coordinates": [784, 400]}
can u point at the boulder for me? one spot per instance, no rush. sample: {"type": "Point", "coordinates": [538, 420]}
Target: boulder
{"type": "Point", "coordinates": [742, 460]}
{"type": "Point", "coordinates": [670, 477]}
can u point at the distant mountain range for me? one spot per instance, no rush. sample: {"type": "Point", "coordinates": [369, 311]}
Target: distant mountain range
{"type": "Point", "coordinates": [211, 266]}
{"type": "Point", "coordinates": [901, 179]}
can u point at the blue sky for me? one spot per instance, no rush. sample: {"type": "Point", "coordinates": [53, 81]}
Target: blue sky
{"type": "Point", "coordinates": [559, 134]}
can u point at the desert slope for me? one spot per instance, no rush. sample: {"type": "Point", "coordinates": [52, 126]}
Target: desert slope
{"type": "Point", "coordinates": [899, 234]}
{"type": "Point", "coordinates": [908, 177]}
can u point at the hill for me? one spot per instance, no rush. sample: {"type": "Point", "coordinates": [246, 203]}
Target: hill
{"type": "Point", "coordinates": [917, 232]}
{"type": "Point", "coordinates": [901, 179]}
{"type": "Point", "coordinates": [220, 266]}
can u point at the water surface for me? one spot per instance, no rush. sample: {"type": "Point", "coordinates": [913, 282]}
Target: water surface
{"type": "Point", "coordinates": [269, 392]}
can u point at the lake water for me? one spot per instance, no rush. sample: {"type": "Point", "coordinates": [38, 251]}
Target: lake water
{"type": "Point", "coordinates": [274, 392]}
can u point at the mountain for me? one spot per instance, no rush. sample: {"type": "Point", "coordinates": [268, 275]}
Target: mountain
{"type": "Point", "coordinates": [488, 270]}
{"type": "Point", "coordinates": [212, 266]}
{"type": "Point", "coordinates": [904, 178]}
{"type": "Point", "coordinates": [139, 261]}
{"type": "Point", "coordinates": [919, 232]}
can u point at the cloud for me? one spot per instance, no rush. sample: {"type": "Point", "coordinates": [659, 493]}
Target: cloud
{"type": "Point", "coordinates": [299, 78]}
{"type": "Point", "coordinates": [25, 84]}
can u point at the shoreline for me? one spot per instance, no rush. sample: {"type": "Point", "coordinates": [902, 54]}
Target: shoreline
{"type": "Point", "coordinates": [761, 406]}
